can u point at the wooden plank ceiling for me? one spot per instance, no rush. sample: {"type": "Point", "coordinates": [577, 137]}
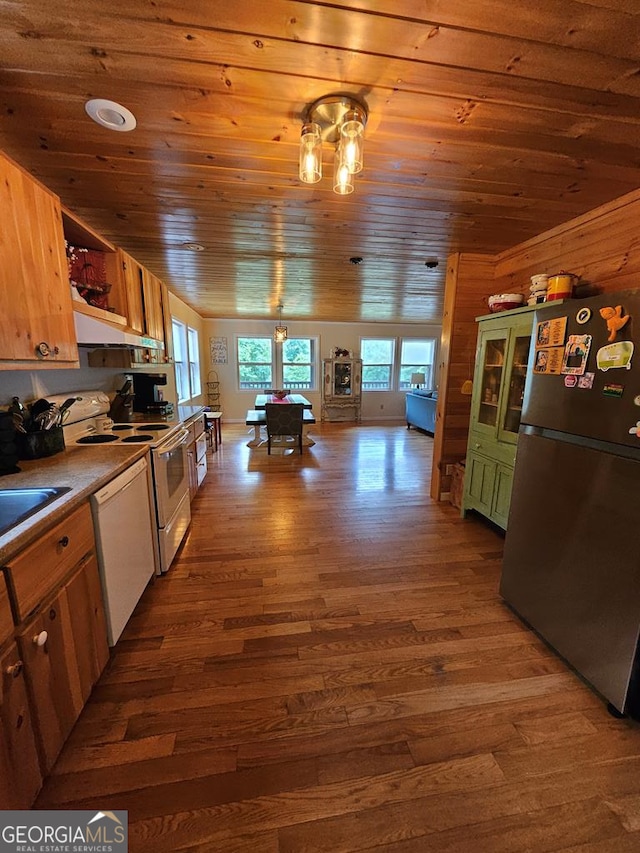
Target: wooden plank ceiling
{"type": "Point", "coordinates": [489, 122]}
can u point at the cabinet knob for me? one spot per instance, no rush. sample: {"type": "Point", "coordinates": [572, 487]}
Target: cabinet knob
{"type": "Point", "coordinates": [40, 639]}
{"type": "Point", "coordinates": [64, 542]}
{"type": "Point", "coordinates": [477, 445]}
{"type": "Point", "coordinates": [43, 349]}
{"type": "Point", "coordinates": [15, 669]}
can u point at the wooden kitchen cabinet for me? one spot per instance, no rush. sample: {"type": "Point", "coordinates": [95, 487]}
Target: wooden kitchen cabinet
{"type": "Point", "coordinates": [62, 635]}
{"type": "Point", "coordinates": [132, 300]}
{"type": "Point", "coordinates": [498, 389]}
{"type": "Point", "coordinates": [20, 776]}
{"type": "Point", "coordinates": [64, 648]}
{"type": "Point", "coordinates": [37, 327]}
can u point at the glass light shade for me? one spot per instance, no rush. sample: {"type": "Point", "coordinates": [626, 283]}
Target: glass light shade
{"type": "Point", "coordinates": [352, 131]}
{"type": "Point", "coordinates": [280, 334]}
{"type": "Point", "coordinates": [342, 177]}
{"type": "Point", "coordinates": [310, 168]}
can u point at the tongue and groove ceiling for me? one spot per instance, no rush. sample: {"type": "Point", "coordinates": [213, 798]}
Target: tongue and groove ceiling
{"type": "Point", "coordinates": [489, 122]}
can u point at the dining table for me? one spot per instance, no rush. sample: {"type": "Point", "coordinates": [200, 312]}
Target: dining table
{"type": "Point", "coordinates": [257, 417]}
{"type": "Point", "coordinates": [262, 400]}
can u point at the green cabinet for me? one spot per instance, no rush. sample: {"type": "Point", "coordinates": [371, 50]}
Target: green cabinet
{"type": "Point", "coordinates": [502, 354]}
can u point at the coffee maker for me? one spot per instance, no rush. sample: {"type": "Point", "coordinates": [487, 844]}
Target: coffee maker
{"type": "Point", "coordinates": [148, 396]}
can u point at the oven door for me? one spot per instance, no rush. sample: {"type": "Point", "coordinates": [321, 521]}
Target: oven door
{"type": "Point", "coordinates": [170, 475]}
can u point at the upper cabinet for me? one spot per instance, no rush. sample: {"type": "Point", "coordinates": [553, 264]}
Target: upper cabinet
{"type": "Point", "coordinates": [35, 298]}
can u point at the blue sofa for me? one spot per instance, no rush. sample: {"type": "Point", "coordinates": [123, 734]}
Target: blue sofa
{"type": "Point", "coordinates": [421, 410]}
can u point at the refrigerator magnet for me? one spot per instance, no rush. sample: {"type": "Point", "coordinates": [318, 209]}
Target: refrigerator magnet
{"type": "Point", "coordinates": [615, 355]}
{"type": "Point", "coordinates": [613, 390]}
{"type": "Point", "coordinates": [570, 381]}
{"type": "Point", "coordinates": [635, 430]}
{"type": "Point", "coordinates": [576, 354]}
{"type": "Point", "coordinates": [583, 316]}
{"type": "Point", "coordinates": [614, 319]}
{"type": "Point", "coordinates": [586, 380]}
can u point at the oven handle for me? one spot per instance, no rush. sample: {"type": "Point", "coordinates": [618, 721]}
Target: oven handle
{"type": "Point", "coordinates": [164, 450]}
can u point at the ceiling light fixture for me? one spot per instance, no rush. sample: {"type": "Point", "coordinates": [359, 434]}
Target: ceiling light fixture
{"type": "Point", "coordinates": [111, 115]}
{"type": "Point", "coordinates": [280, 332]}
{"type": "Point", "coordinates": [340, 120]}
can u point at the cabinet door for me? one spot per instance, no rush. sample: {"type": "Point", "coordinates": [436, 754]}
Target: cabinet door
{"type": "Point", "coordinates": [152, 295]}
{"type": "Point", "coordinates": [132, 277]}
{"type": "Point", "coordinates": [515, 377]}
{"type": "Point", "coordinates": [63, 649]}
{"type": "Point", "coordinates": [35, 295]}
{"type": "Point", "coordinates": [480, 477]}
{"type": "Point", "coordinates": [502, 495]}
{"type": "Point", "coordinates": [20, 777]}
{"type": "Point", "coordinates": [489, 380]}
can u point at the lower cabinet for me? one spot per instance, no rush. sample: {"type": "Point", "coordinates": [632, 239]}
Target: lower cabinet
{"type": "Point", "coordinates": [20, 776]}
{"type": "Point", "coordinates": [488, 487]}
{"type": "Point", "coordinates": [55, 654]}
{"type": "Point", "coordinates": [64, 649]}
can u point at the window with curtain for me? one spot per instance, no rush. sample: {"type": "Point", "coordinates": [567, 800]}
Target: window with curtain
{"type": "Point", "coordinates": [377, 363]}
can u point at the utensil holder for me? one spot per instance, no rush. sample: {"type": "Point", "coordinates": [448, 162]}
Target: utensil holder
{"type": "Point", "coordinates": [44, 442]}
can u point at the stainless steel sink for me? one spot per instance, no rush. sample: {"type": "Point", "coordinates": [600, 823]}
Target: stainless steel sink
{"type": "Point", "coordinates": [17, 505]}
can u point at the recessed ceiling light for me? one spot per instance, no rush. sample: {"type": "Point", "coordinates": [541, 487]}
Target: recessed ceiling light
{"type": "Point", "coordinates": [193, 247]}
{"type": "Point", "coordinates": [110, 115]}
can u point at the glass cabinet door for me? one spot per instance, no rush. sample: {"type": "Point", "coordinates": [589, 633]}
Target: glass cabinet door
{"type": "Point", "coordinates": [492, 360]}
{"type": "Point", "coordinates": [518, 357]}
{"type": "Point", "coordinates": [342, 379]}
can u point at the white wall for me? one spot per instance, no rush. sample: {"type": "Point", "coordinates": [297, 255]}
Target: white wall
{"type": "Point", "coordinates": [376, 405]}
{"type": "Point", "coordinates": [182, 312]}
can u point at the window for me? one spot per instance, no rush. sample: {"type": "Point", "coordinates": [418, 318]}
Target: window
{"type": "Point", "coordinates": [263, 365]}
{"type": "Point", "coordinates": [186, 354]}
{"type": "Point", "coordinates": [387, 363]}
{"type": "Point", "coordinates": [416, 356]}
{"type": "Point", "coordinates": [377, 363]}
{"type": "Point", "coordinates": [298, 364]}
{"type": "Point", "coordinates": [194, 361]}
{"type": "Point", "coordinates": [255, 363]}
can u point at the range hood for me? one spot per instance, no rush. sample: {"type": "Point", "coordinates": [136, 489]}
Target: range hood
{"type": "Point", "coordinates": [92, 332]}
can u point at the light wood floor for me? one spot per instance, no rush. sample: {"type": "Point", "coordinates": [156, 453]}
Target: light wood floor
{"type": "Point", "coordinates": [328, 667]}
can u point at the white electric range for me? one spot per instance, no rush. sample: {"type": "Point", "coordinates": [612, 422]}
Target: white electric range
{"type": "Point", "coordinates": [87, 424]}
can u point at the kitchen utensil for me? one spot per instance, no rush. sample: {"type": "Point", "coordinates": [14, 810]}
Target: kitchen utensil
{"type": "Point", "coordinates": [505, 301]}
{"type": "Point", "coordinates": [39, 407]}
{"type": "Point", "coordinates": [64, 408]}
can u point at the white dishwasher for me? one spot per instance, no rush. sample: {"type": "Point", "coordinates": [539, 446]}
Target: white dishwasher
{"type": "Point", "coordinates": [122, 519]}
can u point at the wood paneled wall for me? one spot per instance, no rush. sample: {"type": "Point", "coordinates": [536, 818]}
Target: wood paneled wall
{"type": "Point", "coordinates": [469, 281]}
{"type": "Point", "coordinates": [602, 247]}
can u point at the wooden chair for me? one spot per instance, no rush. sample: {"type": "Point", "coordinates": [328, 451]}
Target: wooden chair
{"type": "Point", "coordinates": [284, 419]}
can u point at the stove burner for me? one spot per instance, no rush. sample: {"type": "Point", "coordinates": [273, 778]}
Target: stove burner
{"type": "Point", "coordinates": [153, 426]}
{"type": "Point", "coordinates": [121, 427]}
{"type": "Point", "coordinates": [134, 438]}
{"type": "Point", "coordinates": [97, 439]}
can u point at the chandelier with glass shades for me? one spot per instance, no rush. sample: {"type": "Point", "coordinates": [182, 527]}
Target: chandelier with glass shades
{"type": "Point", "coordinates": [280, 331]}
{"type": "Point", "coordinates": [339, 120]}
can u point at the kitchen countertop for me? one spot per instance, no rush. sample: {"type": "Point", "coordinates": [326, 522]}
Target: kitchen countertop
{"type": "Point", "coordinates": [84, 469]}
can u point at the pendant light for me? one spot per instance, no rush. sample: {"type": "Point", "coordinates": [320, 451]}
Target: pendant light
{"type": "Point", "coordinates": [280, 332]}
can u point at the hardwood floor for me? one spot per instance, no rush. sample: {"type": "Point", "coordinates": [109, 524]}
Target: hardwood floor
{"type": "Point", "coordinates": [328, 667]}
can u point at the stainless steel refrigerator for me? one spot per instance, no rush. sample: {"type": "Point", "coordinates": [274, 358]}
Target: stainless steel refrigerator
{"type": "Point", "coordinates": [572, 550]}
